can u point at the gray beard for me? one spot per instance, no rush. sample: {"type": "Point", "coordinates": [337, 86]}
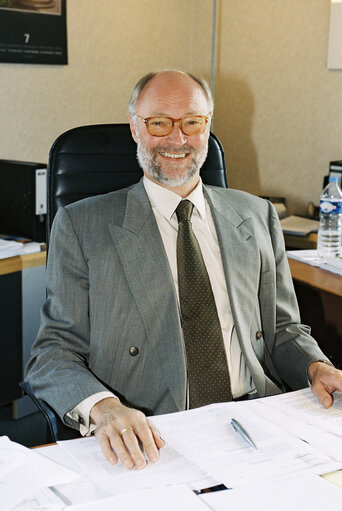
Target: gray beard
{"type": "Point", "coordinates": [147, 161]}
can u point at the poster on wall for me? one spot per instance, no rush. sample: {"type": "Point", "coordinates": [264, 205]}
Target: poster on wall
{"type": "Point", "coordinates": [33, 31]}
{"type": "Point", "coordinates": [335, 35]}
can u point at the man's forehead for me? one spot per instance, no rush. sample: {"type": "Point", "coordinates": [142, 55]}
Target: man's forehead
{"type": "Point", "coordinates": [174, 93]}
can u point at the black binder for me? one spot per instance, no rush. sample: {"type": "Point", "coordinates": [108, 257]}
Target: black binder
{"type": "Point", "coordinates": [23, 199]}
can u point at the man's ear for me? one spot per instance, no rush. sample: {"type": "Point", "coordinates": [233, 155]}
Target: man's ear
{"type": "Point", "coordinates": [133, 128]}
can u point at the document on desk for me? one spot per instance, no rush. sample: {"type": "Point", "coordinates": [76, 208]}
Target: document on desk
{"type": "Point", "coordinates": [172, 468]}
{"type": "Point", "coordinates": [205, 436]}
{"type": "Point", "coordinates": [166, 498]}
{"type": "Point", "coordinates": [306, 492]}
{"type": "Point", "coordinates": [23, 473]}
{"type": "Point", "coordinates": [209, 446]}
{"type": "Point", "coordinates": [10, 248]}
{"type": "Point", "coordinates": [324, 441]}
{"type": "Point", "coordinates": [303, 405]}
{"type": "Point", "coordinates": [298, 225]}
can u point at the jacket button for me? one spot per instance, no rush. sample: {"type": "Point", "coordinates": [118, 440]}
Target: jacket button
{"type": "Point", "coordinates": [133, 351]}
{"type": "Point", "coordinates": [259, 334]}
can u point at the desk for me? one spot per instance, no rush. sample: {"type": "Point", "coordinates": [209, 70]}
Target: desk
{"type": "Point", "coordinates": [316, 278]}
{"type": "Point", "coordinates": [214, 455]}
{"type": "Point", "coordinates": [301, 242]}
{"type": "Point", "coordinates": [22, 292]}
{"type": "Point", "coordinates": [319, 294]}
{"type": "Point", "coordinates": [19, 263]}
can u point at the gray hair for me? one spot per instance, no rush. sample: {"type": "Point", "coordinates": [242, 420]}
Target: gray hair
{"type": "Point", "coordinates": [141, 84]}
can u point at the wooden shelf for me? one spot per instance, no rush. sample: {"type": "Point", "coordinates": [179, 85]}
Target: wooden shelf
{"type": "Point", "coordinates": [316, 278]}
{"type": "Point", "coordinates": [18, 263]}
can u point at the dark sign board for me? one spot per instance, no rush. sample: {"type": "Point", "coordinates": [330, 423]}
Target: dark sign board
{"type": "Point", "coordinates": [33, 31]}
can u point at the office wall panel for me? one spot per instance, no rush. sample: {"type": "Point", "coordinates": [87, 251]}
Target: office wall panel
{"type": "Point", "coordinates": [111, 43]}
{"type": "Point", "coordinates": [278, 107]}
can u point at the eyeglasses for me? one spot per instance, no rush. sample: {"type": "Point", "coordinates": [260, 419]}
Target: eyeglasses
{"type": "Point", "coordinates": [161, 126]}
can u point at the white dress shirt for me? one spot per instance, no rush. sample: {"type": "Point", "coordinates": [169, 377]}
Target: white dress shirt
{"type": "Point", "coordinates": [164, 203]}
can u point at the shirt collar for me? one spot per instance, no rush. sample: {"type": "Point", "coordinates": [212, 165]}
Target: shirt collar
{"type": "Point", "coordinates": [166, 201]}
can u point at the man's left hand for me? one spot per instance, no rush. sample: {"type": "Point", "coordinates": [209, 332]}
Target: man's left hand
{"type": "Point", "coordinates": [325, 379]}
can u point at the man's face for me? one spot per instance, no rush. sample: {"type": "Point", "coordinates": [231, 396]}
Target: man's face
{"type": "Point", "coordinates": [175, 159]}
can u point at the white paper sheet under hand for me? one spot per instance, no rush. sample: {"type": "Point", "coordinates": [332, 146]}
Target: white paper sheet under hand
{"type": "Point", "coordinates": [171, 468]}
{"type": "Point", "coordinates": [167, 499]}
{"type": "Point", "coordinates": [303, 405]}
{"type": "Point", "coordinates": [209, 440]}
{"type": "Point", "coordinates": [28, 472]}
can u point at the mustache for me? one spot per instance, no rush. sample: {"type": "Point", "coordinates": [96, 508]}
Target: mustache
{"type": "Point", "coordinates": [176, 150]}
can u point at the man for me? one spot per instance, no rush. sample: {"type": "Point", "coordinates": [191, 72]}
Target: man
{"type": "Point", "coordinates": [114, 340]}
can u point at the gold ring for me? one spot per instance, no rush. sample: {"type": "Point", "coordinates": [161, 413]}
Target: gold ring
{"type": "Point", "coordinates": [125, 429]}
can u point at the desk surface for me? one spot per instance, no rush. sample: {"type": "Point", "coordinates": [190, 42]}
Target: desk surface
{"type": "Point", "coordinates": [19, 263]}
{"type": "Point", "coordinates": [315, 277]}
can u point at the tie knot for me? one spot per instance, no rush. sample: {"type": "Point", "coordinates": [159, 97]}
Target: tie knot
{"type": "Point", "coordinates": [184, 210]}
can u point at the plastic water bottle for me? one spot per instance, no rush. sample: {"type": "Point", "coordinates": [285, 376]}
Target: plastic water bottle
{"type": "Point", "coordinates": [330, 220]}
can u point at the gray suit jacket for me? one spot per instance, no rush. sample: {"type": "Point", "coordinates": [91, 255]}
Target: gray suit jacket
{"type": "Point", "coordinates": [110, 290]}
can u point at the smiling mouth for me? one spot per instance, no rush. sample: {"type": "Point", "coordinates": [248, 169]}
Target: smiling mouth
{"type": "Point", "coordinates": [174, 155]}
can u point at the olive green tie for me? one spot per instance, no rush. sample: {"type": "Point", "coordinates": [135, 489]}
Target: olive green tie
{"type": "Point", "coordinates": [208, 373]}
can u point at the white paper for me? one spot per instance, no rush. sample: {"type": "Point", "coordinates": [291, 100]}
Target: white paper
{"type": "Point", "coordinates": [157, 499]}
{"type": "Point", "coordinates": [172, 468]}
{"type": "Point", "coordinates": [302, 493]}
{"type": "Point", "coordinates": [9, 248]}
{"type": "Point", "coordinates": [305, 256]}
{"type": "Point", "coordinates": [58, 497]}
{"type": "Point", "coordinates": [303, 405]}
{"type": "Point", "coordinates": [43, 500]}
{"type": "Point", "coordinates": [333, 264]}
{"type": "Point", "coordinates": [209, 440]}
{"type": "Point", "coordinates": [326, 442]}
{"type": "Point", "coordinates": [28, 473]}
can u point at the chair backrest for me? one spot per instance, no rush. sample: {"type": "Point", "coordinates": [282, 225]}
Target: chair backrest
{"type": "Point", "coordinates": [95, 159]}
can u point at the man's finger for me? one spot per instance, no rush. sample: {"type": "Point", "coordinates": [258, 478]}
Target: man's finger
{"type": "Point", "coordinates": [132, 445]}
{"type": "Point", "coordinates": [106, 448]}
{"type": "Point", "coordinates": [323, 396]}
{"type": "Point", "coordinates": [113, 447]}
{"type": "Point", "coordinates": [147, 440]}
{"type": "Point", "coordinates": [156, 435]}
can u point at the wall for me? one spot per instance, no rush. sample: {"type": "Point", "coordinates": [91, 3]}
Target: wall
{"type": "Point", "coordinates": [278, 108]}
{"type": "Point", "coordinates": [111, 44]}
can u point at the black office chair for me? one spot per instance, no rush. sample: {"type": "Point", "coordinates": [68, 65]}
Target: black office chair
{"type": "Point", "coordinates": [90, 160]}
{"type": "Point", "coordinates": [96, 159]}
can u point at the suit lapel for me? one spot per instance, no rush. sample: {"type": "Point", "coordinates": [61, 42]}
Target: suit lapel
{"type": "Point", "coordinates": [140, 248]}
{"type": "Point", "coordinates": [241, 263]}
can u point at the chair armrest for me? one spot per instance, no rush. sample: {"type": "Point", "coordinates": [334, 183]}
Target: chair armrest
{"type": "Point", "coordinates": [58, 430]}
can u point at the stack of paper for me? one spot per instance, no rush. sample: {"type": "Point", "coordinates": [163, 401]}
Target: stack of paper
{"type": "Point", "coordinates": [297, 441]}
{"type": "Point", "coordinates": [333, 264]}
{"type": "Point", "coordinates": [14, 248]}
{"type": "Point", "coordinates": [300, 226]}
{"type": "Point", "coordinates": [305, 256]}
{"type": "Point", "coordinates": [23, 472]}
{"type": "Point", "coordinates": [10, 248]}
{"type": "Point", "coordinates": [311, 257]}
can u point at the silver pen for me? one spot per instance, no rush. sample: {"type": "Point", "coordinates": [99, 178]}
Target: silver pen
{"type": "Point", "coordinates": [241, 430]}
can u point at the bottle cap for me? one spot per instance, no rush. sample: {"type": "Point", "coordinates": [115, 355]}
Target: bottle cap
{"type": "Point", "coordinates": [333, 179]}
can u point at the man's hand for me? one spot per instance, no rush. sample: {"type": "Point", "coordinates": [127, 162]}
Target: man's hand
{"type": "Point", "coordinates": [120, 430]}
{"type": "Point", "coordinates": [325, 379]}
